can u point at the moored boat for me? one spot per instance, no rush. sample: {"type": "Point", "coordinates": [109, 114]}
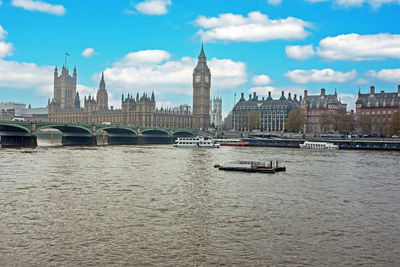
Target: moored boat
{"type": "Point", "coordinates": [232, 142]}
{"type": "Point", "coordinates": [251, 166]}
{"type": "Point", "coordinates": [318, 145]}
{"type": "Point", "coordinates": [198, 141]}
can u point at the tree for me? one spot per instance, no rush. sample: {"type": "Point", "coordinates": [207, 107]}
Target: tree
{"type": "Point", "coordinates": [253, 120]}
{"type": "Point", "coordinates": [346, 124]}
{"type": "Point", "coordinates": [295, 122]}
{"type": "Point", "coordinates": [365, 124]}
{"type": "Point", "coordinates": [343, 123]}
{"type": "Point", "coordinates": [393, 127]}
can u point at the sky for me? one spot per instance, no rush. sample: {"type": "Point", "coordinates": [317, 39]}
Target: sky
{"type": "Point", "coordinates": [152, 45]}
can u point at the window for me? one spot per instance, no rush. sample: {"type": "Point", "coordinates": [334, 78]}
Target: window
{"type": "Point", "coordinates": [384, 112]}
{"type": "Point", "coordinates": [378, 112]}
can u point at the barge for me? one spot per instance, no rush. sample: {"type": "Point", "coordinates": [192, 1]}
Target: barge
{"type": "Point", "coordinates": [251, 166]}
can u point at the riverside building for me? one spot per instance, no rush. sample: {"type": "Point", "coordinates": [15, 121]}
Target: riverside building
{"type": "Point", "coordinates": [380, 106]}
{"type": "Point", "coordinates": [139, 110]}
{"type": "Point", "coordinates": [318, 111]}
{"type": "Point", "coordinates": [271, 113]}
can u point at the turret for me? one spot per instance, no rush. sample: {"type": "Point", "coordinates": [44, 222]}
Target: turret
{"type": "Point", "coordinates": [55, 72]}
{"type": "Point", "coordinates": [74, 74]}
{"type": "Point", "coordinates": [102, 85]}
{"type": "Point", "coordinates": [77, 101]}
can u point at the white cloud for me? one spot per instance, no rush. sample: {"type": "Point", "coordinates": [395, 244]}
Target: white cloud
{"type": "Point", "coordinates": [256, 27]}
{"type": "Point", "coordinates": [274, 2]}
{"type": "Point", "coordinates": [375, 4]}
{"type": "Point", "coordinates": [40, 6]}
{"type": "Point", "coordinates": [88, 52]}
{"type": "Point", "coordinates": [151, 70]}
{"type": "Point", "coordinates": [143, 57]}
{"type": "Point", "coordinates": [26, 76]}
{"type": "Point", "coordinates": [1, 2]}
{"type": "Point", "coordinates": [348, 99]}
{"type": "Point", "coordinates": [153, 7]}
{"type": "Point", "coordinates": [357, 47]}
{"type": "Point", "coordinates": [299, 52]}
{"type": "Point", "coordinates": [320, 76]}
{"type": "Point", "coordinates": [3, 33]}
{"type": "Point", "coordinates": [6, 49]}
{"type": "Point", "coordinates": [261, 80]}
{"type": "Point", "coordinates": [386, 75]}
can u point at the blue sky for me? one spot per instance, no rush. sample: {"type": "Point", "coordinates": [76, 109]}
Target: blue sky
{"type": "Point", "coordinates": [251, 46]}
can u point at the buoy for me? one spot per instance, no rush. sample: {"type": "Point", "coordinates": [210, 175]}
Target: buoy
{"type": "Point", "coordinates": [217, 166]}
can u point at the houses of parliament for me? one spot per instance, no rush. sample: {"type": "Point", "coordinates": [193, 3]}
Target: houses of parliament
{"type": "Point", "coordinates": [139, 110]}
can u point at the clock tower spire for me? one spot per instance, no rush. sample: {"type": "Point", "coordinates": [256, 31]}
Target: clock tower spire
{"type": "Point", "coordinates": [201, 92]}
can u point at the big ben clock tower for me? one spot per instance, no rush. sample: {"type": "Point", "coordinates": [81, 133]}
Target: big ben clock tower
{"type": "Point", "coordinates": [201, 93]}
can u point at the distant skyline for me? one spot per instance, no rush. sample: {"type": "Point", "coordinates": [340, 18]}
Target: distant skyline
{"type": "Point", "coordinates": [251, 46]}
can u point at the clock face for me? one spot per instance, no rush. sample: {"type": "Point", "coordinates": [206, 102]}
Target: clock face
{"type": "Point", "coordinates": [197, 78]}
{"type": "Point", "coordinates": [207, 79]}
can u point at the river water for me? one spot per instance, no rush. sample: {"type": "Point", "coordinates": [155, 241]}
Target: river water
{"type": "Point", "coordinates": [164, 206]}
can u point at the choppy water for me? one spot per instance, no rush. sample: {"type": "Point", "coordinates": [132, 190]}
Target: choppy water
{"type": "Point", "coordinates": [160, 206]}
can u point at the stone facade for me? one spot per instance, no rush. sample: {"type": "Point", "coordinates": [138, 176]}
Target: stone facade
{"type": "Point", "coordinates": [201, 93]}
{"type": "Point", "coordinates": [381, 106]}
{"type": "Point", "coordinates": [272, 113]}
{"type": "Point", "coordinates": [138, 111]}
{"type": "Point", "coordinates": [318, 111]}
{"type": "Point", "coordinates": [216, 112]}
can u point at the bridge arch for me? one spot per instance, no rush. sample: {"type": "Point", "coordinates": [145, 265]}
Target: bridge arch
{"type": "Point", "coordinates": [14, 129]}
{"type": "Point", "coordinates": [67, 129]}
{"type": "Point", "coordinates": [155, 132]}
{"type": "Point", "coordinates": [182, 133]}
{"type": "Point", "coordinates": [117, 130]}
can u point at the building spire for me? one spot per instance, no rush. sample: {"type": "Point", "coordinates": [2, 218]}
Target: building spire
{"type": "Point", "coordinates": [102, 82]}
{"type": "Point", "coordinates": [202, 54]}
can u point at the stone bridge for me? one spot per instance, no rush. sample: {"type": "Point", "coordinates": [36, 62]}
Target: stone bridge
{"type": "Point", "coordinates": [24, 134]}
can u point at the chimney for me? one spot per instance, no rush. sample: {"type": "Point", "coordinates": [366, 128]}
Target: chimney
{"type": "Point", "coordinates": [382, 91]}
{"type": "Point", "coordinates": [249, 96]}
{"type": "Point", "coordinates": [295, 97]}
{"type": "Point", "coordinates": [300, 98]}
{"type": "Point", "coordinates": [242, 96]}
{"type": "Point", "coordinates": [322, 91]}
{"type": "Point", "coordinates": [305, 93]}
{"type": "Point", "coordinates": [283, 93]}
{"type": "Point", "coordinates": [254, 95]}
{"type": "Point", "coordinates": [263, 98]}
{"type": "Point", "coordinates": [269, 93]}
{"type": "Point", "coordinates": [398, 88]}
{"type": "Point", "coordinates": [372, 88]}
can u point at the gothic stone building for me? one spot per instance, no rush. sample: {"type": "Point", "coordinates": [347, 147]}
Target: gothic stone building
{"type": "Point", "coordinates": [139, 111]}
{"type": "Point", "coordinates": [216, 112]}
{"type": "Point", "coordinates": [272, 113]}
{"type": "Point", "coordinates": [318, 110]}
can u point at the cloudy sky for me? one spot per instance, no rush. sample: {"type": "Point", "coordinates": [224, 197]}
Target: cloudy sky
{"type": "Point", "coordinates": [152, 45]}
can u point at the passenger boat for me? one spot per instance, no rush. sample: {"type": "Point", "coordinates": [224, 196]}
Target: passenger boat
{"type": "Point", "coordinates": [232, 142]}
{"type": "Point", "coordinates": [198, 141]}
{"type": "Point", "coordinates": [318, 145]}
{"type": "Point", "coordinates": [251, 166]}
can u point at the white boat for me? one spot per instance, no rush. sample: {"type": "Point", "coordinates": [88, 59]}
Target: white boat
{"type": "Point", "coordinates": [318, 145]}
{"type": "Point", "coordinates": [198, 141]}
